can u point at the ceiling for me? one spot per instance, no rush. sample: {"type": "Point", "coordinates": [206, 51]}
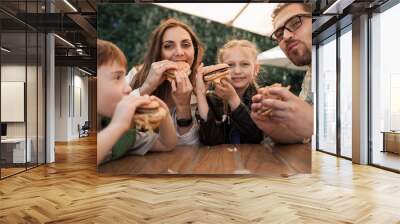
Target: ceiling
{"type": "Point", "coordinates": [337, 14]}
{"type": "Point", "coordinates": [72, 20]}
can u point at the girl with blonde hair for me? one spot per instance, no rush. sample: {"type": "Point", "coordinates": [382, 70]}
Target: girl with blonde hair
{"type": "Point", "coordinates": [234, 126]}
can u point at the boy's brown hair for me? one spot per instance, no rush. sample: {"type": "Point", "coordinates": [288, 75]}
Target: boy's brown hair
{"type": "Point", "coordinates": [108, 52]}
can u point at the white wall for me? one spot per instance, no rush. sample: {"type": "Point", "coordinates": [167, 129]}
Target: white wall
{"type": "Point", "coordinates": [61, 103]}
{"type": "Point", "coordinates": [80, 89]}
{"type": "Point", "coordinates": [12, 101]}
{"type": "Point", "coordinates": [69, 85]}
{"type": "Point", "coordinates": [33, 127]}
{"type": "Point", "coordinates": [12, 73]}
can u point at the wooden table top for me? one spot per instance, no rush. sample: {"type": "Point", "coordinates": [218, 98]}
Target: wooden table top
{"type": "Point", "coordinates": [282, 160]}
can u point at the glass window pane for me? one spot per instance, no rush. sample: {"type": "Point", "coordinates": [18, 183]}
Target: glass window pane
{"type": "Point", "coordinates": [41, 98]}
{"type": "Point", "coordinates": [346, 94]}
{"type": "Point", "coordinates": [31, 97]}
{"type": "Point", "coordinates": [13, 86]}
{"type": "Point", "coordinates": [22, 76]}
{"type": "Point", "coordinates": [385, 89]}
{"type": "Point", "coordinates": [327, 96]}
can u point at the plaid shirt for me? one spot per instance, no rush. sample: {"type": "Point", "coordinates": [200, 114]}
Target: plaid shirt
{"type": "Point", "coordinates": [306, 93]}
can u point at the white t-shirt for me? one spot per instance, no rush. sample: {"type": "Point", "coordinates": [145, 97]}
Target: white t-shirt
{"type": "Point", "coordinates": [130, 75]}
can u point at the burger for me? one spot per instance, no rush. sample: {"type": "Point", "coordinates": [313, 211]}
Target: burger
{"type": "Point", "coordinates": [182, 66]}
{"type": "Point", "coordinates": [267, 111]}
{"type": "Point", "coordinates": [215, 73]}
{"type": "Point", "coordinates": [149, 116]}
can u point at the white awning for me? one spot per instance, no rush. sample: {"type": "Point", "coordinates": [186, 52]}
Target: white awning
{"type": "Point", "coordinates": [276, 57]}
{"type": "Point", "coordinates": [252, 17]}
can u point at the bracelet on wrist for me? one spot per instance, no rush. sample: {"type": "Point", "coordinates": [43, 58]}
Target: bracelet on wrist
{"type": "Point", "coordinates": [184, 122]}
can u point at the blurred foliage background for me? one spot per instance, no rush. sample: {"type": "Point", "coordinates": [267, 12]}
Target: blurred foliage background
{"type": "Point", "coordinates": [129, 26]}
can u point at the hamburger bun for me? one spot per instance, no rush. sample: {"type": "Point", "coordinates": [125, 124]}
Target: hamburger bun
{"type": "Point", "coordinates": [267, 111]}
{"type": "Point", "coordinates": [182, 66]}
{"type": "Point", "coordinates": [149, 116]}
{"type": "Point", "coordinates": [215, 73]}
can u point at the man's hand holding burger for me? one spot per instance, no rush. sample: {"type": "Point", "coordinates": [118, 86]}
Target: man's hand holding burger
{"type": "Point", "coordinates": [286, 110]}
{"type": "Point", "coordinates": [263, 122]}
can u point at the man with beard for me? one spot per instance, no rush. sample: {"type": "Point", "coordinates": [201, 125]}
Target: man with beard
{"type": "Point", "coordinates": [289, 118]}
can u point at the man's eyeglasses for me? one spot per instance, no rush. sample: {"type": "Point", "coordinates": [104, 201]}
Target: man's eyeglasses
{"type": "Point", "coordinates": [291, 24]}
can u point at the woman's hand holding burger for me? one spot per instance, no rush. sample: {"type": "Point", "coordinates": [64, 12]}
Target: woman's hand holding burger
{"type": "Point", "coordinates": [156, 77]}
{"type": "Point", "coordinates": [181, 93]}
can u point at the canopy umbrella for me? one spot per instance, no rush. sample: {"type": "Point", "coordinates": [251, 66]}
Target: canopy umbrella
{"type": "Point", "coordinates": [276, 57]}
{"type": "Point", "coordinates": [252, 17]}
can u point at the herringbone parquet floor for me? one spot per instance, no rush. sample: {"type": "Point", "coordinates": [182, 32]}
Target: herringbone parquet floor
{"type": "Point", "coordinates": [71, 191]}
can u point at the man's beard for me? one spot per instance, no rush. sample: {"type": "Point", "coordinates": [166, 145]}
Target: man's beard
{"type": "Point", "coordinates": [300, 58]}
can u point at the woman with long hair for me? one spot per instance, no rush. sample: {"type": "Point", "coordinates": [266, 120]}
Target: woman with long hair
{"type": "Point", "coordinates": [172, 41]}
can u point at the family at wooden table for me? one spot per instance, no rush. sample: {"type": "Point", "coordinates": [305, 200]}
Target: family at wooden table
{"type": "Point", "coordinates": [146, 110]}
